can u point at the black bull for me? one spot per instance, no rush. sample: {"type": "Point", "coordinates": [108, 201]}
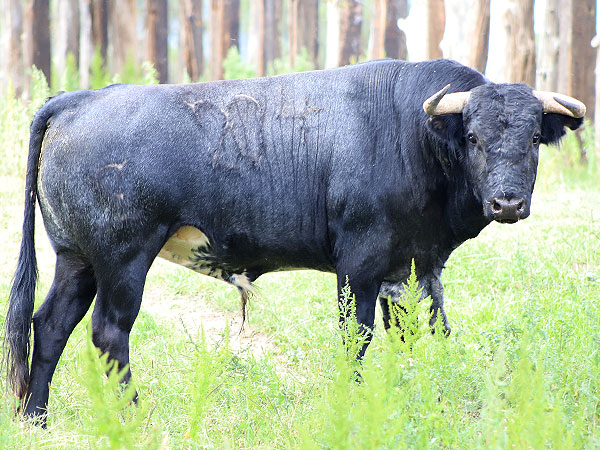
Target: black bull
{"type": "Point", "coordinates": [339, 170]}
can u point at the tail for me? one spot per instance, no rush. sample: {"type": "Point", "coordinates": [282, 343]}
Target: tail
{"type": "Point", "coordinates": [17, 328]}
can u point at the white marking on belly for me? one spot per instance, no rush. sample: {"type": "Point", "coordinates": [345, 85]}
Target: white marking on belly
{"type": "Point", "coordinates": [191, 248]}
{"type": "Point", "coordinates": [186, 248]}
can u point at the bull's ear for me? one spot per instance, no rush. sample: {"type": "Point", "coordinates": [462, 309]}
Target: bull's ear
{"type": "Point", "coordinates": [447, 130]}
{"type": "Point", "coordinates": [553, 126]}
{"type": "Point", "coordinates": [447, 127]}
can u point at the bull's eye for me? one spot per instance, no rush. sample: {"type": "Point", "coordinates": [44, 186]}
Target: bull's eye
{"type": "Point", "coordinates": [472, 138]}
{"type": "Point", "coordinates": [536, 139]}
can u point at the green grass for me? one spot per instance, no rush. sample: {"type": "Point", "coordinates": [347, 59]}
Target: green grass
{"type": "Point", "coordinates": [521, 369]}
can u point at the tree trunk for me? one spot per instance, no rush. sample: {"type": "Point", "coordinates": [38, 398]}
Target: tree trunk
{"type": "Point", "coordinates": [385, 38]}
{"type": "Point", "coordinates": [547, 68]}
{"type": "Point", "coordinates": [190, 14]}
{"type": "Point", "coordinates": [123, 33]}
{"type": "Point", "coordinates": [36, 36]}
{"type": "Point", "coordinates": [520, 49]}
{"type": "Point", "coordinates": [99, 14]}
{"type": "Point", "coordinates": [577, 27]}
{"type": "Point", "coordinates": [85, 44]}
{"type": "Point", "coordinates": [303, 22]}
{"type": "Point", "coordinates": [480, 35]}
{"type": "Point", "coordinates": [233, 19]}
{"type": "Point", "coordinates": [350, 17]}
{"type": "Point", "coordinates": [584, 30]}
{"type": "Point", "coordinates": [157, 49]}
{"type": "Point", "coordinates": [263, 39]}
{"type": "Point", "coordinates": [436, 23]}
{"type": "Point", "coordinates": [394, 38]}
{"type": "Point", "coordinates": [12, 50]}
{"type": "Point", "coordinates": [68, 34]}
{"type": "Point", "coordinates": [256, 37]}
{"type": "Point", "coordinates": [223, 33]}
{"type": "Point", "coordinates": [272, 36]}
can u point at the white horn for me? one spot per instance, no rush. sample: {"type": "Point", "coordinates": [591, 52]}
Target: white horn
{"type": "Point", "coordinates": [443, 103]}
{"type": "Point", "coordinates": [560, 104]}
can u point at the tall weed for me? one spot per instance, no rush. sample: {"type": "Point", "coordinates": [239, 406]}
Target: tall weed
{"type": "Point", "coordinates": [110, 417]}
{"type": "Point", "coordinates": [207, 375]}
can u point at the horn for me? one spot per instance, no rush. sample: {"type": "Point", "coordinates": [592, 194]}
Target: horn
{"type": "Point", "coordinates": [443, 103]}
{"type": "Point", "coordinates": [560, 104]}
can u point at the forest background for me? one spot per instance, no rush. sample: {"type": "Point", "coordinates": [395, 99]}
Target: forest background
{"type": "Point", "coordinates": [548, 44]}
{"type": "Point", "coordinates": [522, 366]}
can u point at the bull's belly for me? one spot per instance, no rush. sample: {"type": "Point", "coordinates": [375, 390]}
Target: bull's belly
{"type": "Point", "coordinates": [189, 247]}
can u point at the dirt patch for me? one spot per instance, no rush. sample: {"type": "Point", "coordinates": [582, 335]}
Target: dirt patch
{"type": "Point", "coordinates": [190, 315]}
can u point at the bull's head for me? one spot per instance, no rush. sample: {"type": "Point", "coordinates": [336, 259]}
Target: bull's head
{"type": "Point", "coordinates": [494, 132]}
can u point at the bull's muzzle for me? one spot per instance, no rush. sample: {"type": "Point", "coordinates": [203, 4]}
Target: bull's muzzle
{"type": "Point", "coordinates": [506, 210]}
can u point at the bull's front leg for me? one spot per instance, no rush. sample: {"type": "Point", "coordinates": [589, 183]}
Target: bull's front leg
{"type": "Point", "coordinates": [435, 290]}
{"type": "Point", "coordinates": [432, 287]}
{"type": "Point", "coordinates": [364, 285]}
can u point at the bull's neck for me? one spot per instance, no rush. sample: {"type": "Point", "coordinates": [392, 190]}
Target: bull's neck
{"type": "Point", "coordinates": [463, 210]}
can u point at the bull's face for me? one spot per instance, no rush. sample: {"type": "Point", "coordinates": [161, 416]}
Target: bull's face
{"type": "Point", "coordinates": [494, 134]}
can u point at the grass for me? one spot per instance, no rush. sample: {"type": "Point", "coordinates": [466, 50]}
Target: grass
{"type": "Point", "coordinates": [521, 369]}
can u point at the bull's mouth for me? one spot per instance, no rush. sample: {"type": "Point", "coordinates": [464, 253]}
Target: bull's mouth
{"type": "Point", "coordinates": [507, 220]}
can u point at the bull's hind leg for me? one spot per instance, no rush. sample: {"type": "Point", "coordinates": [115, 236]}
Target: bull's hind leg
{"type": "Point", "coordinates": [70, 296]}
{"type": "Point", "coordinates": [120, 287]}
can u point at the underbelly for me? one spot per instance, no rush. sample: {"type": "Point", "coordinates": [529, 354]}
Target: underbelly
{"type": "Point", "coordinates": [189, 247]}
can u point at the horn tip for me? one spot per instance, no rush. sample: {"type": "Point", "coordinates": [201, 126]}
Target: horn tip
{"type": "Point", "coordinates": [577, 108]}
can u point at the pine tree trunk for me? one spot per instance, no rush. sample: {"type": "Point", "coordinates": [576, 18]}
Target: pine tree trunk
{"type": "Point", "coordinates": [157, 49]}
{"type": "Point", "coordinates": [272, 36]}
{"type": "Point", "coordinates": [394, 37]}
{"type": "Point", "coordinates": [86, 50]}
{"type": "Point", "coordinates": [547, 69]}
{"type": "Point", "coordinates": [350, 20]}
{"type": "Point", "coordinates": [36, 36]}
{"type": "Point", "coordinates": [584, 30]}
{"type": "Point", "coordinates": [480, 36]}
{"type": "Point", "coordinates": [99, 14]}
{"type": "Point", "coordinates": [577, 27]}
{"type": "Point", "coordinates": [190, 13]}
{"type": "Point", "coordinates": [436, 23]}
{"type": "Point", "coordinates": [68, 33]}
{"type": "Point", "coordinates": [256, 37]}
{"type": "Point", "coordinates": [303, 22]}
{"type": "Point", "coordinates": [224, 21]}
{"type": "Point", "coordinates": [375, 48]}
{"type": "Point", "coordinates": [123, 33]}
{"type": "Point", "coordinates": [385, 38]}
{"type": "Point", "coordinates": [12, 50]}
{"type": "Point", "coordinates": [520, 49]}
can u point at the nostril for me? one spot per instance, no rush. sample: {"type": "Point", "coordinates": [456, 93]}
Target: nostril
{"type": "Point", "coordinates": [521, 206]}
{"type": "Point", "coordinates": [496, 207]}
